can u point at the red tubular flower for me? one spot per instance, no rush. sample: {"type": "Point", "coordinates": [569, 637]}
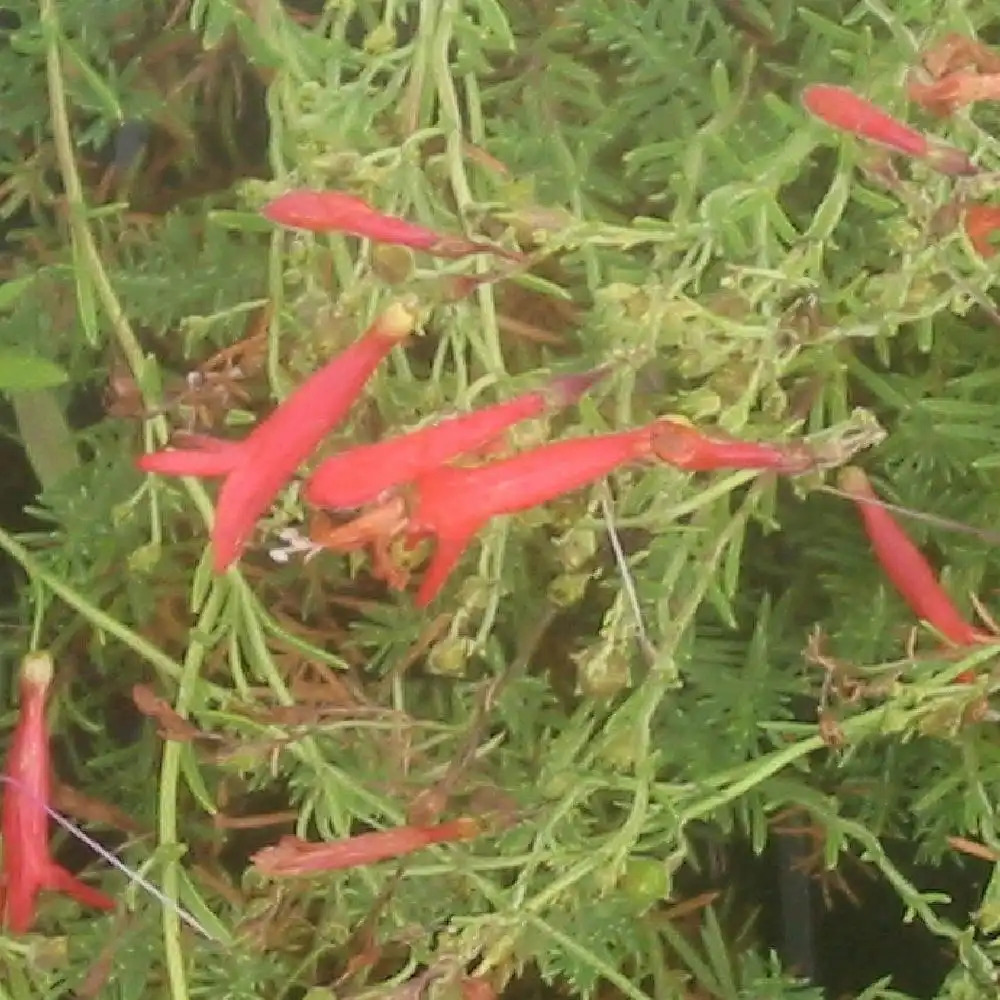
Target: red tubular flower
{"type": "Point", "coordinates": [903, 563]}
{"type": "Point", "coordinates": [360, 475]}
{"type": "Point", "coordinates": [335, 211]}
{"type": "Point", "coordinates": [27, 866]}
{"type": "Point", "coordinates": [256, 468]}
{"type": "Point", "coordinates": [452, 504]}
{"type": "Point", "coordinates": [981, 223]}
{"type": "Point", "coordinates": [203, 455]}
{"type": "Point", "coordinates": [292, 856]}
{"type": "Point", "coordinates": [695, 451]}
{"type": "Point", "coordinates": [843, 109]}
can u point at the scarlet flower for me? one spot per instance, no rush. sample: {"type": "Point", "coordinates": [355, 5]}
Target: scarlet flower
{"type": "Point", "coordinates": [336, 211]}
{"type": "Point", "coordinates": [843, 109]}
{"type": "Point", "coordinates": [905, 566]}
{"type": "Point", "coordinates": [360, 475]}
{"type": "Point", "coordinates": [981, 222]}
{"type": "Point", "coordinates": [293, 856]}
{"type": "Point", "coordinates": [204, 456]}
{"type": "Point", "coordinates": [452, 504]}
{"type": "Point", "coordinates": [257, 467]}
{"type": "Point", "coordinates": [27, 865]}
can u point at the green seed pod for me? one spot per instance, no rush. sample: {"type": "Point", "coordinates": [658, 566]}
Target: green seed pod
{"type": "Point", "coordinates": [557, 784]}
{"type": "Point", "coordinates": [381, 40]}
{"type": "Point", "coordinates": [645, 881]}
{"type": "Point", "coordinates": [145, 558]}
{"type": "Point", "coordinates": [448, 658]}
{"type": "Point", "coordinates": [474, 593]}
{"type": "Point", "coordinates": [568, 589]}
{"type": "Point", "coordinates": [620, 749]}
{"type": "Point", "coordinates": [602, 672]}
{"type": "Point", "coordinates": [704, 403]}
{"type": "Point", "coordinates": [577, 547]}
{"type": "Point", "coordinates": [309, 94]}
{"type": "Point", "coordinates": [394, 265]}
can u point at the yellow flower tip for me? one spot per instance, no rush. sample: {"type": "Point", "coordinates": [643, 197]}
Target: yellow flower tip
{"type": "Point", "coordinates": [399, 319]}
{"type": "Point", "coordinates": [852, 480]}
{"type": "Point", "coordinates": [37, 669]}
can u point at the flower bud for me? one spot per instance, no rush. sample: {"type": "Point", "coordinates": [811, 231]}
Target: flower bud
{"type": "Point", "coordinates": [568, 589]}
{"type": "Point", "coordinates": [448, 658]}
{"type": "Point", "coordinates": [602, 671]}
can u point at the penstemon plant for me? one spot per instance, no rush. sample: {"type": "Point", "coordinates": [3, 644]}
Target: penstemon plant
{"type": "Point", "coordinates": [593, 297]}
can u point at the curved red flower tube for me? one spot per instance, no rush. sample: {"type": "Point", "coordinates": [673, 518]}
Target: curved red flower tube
{"type": "Point", "coordinates": [28, 867]}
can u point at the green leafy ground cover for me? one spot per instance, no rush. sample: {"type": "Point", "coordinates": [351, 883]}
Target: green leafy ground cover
{"type": "Point", "coordinates": [613, 720]}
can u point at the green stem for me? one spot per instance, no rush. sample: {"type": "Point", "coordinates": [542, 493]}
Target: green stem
{"type": "Point", "coordinates": [45, 434]}
{"type": "Point", "coordinates": [83, 239]}
{"type": "Point", "coordinates": [451, 120]}
{"type": "Point", "coordinates": [169, 781]}
{"type": "Point", "coordinates": [101, 620]}
{"type": "Point", "coordinates": [85, 247]}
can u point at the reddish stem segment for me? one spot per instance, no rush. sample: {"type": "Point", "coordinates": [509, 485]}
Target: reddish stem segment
{"type": "Point", "coordinates": [336, 211]}
{"type": "Point", "coordinates": [257, 468]}
{"type": "Point", "coordinates": [292, 856]}
{"type": "Point", "coordinates": [361, 475]}
{"type": "Point", "coordinates": [697, 451]}
{"type": "Point", "coordinates": [27, 866]}
{"type": "Point", "coordinates": [905, 566]}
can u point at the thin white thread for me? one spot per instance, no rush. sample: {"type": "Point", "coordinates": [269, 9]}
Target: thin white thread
{"type": "Point", "coordinates": [104, 853]}
{"type": "Point", "coordinates": [628, 583]}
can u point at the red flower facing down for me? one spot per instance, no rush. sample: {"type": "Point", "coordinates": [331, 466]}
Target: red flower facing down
{"type": "Point", "coordinates": [361, 475]}
{"type": "Point", "coordinates": [843, 109]}
{"type": "Point", "coordinates": [451, 504]}
{"type": "Point", "coordinates": [27, 866]}
{"type": "Point", "coordinates": [335, 211]}
{"type": "Point", "coordinates": [905, 566]}
{"type": "Point", "coordinates": [257, 468]}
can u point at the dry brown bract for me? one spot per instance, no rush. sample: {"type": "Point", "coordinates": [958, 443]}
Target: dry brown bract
{"type": "Point", "coordinates": [962, 72]}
